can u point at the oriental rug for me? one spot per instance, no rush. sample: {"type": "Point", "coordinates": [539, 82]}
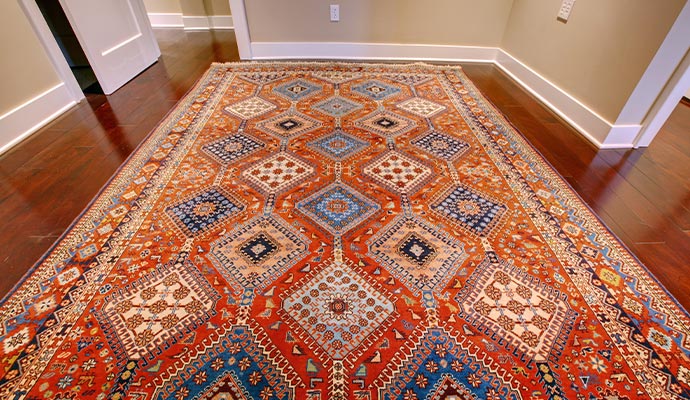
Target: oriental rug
{"type": "Point", "coordinates": [329, 231]}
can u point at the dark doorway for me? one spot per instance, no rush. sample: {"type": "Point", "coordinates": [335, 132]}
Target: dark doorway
{"type": "Point", "coordinates": [69, 45]}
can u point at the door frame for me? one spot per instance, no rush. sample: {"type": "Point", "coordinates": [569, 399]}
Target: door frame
{"type": "Point", "coordinates": [668, 100]}
{"type": "Point", "coordinates": [241, 27]}
{"type": "Point", "coordinates": [660, 88]}
{"type": "Point", "coordinates": [57, 59]}
{"type": "Point", "coordinates": [107, 79]}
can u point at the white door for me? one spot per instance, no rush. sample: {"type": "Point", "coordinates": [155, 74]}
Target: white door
{"type": "Point", "coordinates": [116, 36]}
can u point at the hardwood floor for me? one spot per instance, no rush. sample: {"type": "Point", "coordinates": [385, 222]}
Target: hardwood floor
{"type": "Point", "coordinates": [47, 180]}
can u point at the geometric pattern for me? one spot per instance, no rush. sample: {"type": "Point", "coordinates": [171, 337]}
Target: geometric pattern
{"type": "Point", "coordinates": [204, 210]}
{"type": "Point", "coordinates": [250, 108]}
{"type": "Point", "coordinates": [337, 106]}
{"type": "Point", "coordinates": [336, 77]}
{"type": "Point", "coordinates": [399, 173]}
{"type": "Point", "coordinates": [441, 145]}
{"type": "Point", "coordinates": [386, 123]}
{"type": "Point", "coordinates": [376, 90]}
{"type": "Point", "coordinates": [232, 148]}
{"type": "Point", "coordinates": [277, 173]}
{"type": "Point", "coordinates": [256, 253]}
{"type": "Point", "coordinates": [237, 362]}
{"type": "Point", "coordinates": [419, 255]}
{"type": "Point", "coordinates": [450, 388]}
{"type": "Point", "coordinates": [16, 340]}
{"type": "Point", "coordinates": [416, 249]}
{"type": "Point", "coordinates": [530, 316]}
{"type": "Point", "coordinates": [469, 209]}
{"type": "Point", "coordinates": [262, 78]}
{"type": "Point", "coordinates": [302, 231]}
{"type": "Point", "coordinates": [439, 365]}
{"type": "Point", "coordinates": [409, 79]}
{"type": "Point", "coordinates": [258, 248]}
{"type": "Point", "coordinates": [339, 309]}
{"type": "Point", "coordinates": [338, 208]}
{"type": "Point", "coordinates": [421, 107]}
{"type": "Point", "coordinates": [288, 125]}
{"type": "Point", "coordinates": [156, 308]}
{"type": "Point", "coordinates": [296, 90]}
{"type": "Point", "coordinates": [338, 145]}
{"type": "Point", "coordinates": [227, 386]}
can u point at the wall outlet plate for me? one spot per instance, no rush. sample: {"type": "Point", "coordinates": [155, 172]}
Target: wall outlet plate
{"type": "Point", "coordinates": [335, 12]}
{"type": "Point", "coordinates": [566, 8]}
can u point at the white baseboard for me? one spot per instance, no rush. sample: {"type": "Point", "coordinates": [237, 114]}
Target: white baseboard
{"type": "Point", "coordinates": [196, 23]}
{"type": "Point", "coordinates": [166, 20]}
{"type": "Point", "coordinates": [371, 51]}
{"type": "Point", "coordinates": [591, 125]}
{"type": "Point", "coordinates": [621, 137]}
{"type": "Point", "coordinates": [221, 22]}
{"type": "Point", "coordinates": [204, 23]}
{"type": "Point", "coordinates": [190, 22]}
{"type": "Point", "coordinates": [20, 122]}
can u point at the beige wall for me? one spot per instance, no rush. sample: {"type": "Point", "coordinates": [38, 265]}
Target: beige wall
{"type": "Point", "coordinates": [25, 70]}
{"type": "Point", "coordinates": [189, 7]}
{"type": "Point", "coordinates": [600, 54]}
{"type": "Point", "coordinates": [163, 6]}
{"type": "Point", "coordinates": [454, 22]}
{"type": "Point", "coordinates": [217, 7]}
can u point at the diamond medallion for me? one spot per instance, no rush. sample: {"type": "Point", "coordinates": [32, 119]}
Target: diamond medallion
{"type": "Point", "coordinates": [376, 90]}
{"type": "Point", "coordinates": [386, 123]}
{"type": "Point", "coordinates": [442, 145]}
{"type": "Point", "coordinates": [250, 108]}
{"type": "Point", "coordinates": [298, 89]}
{"type": "Point", "coordinates": [229, 149]}
{"type": "Point", "coordinates": [204, 210]}
{"type": "Point", "coordinates": [337, 106]}
{"type": "Point", "coordinates": [277, 173]}
{"type": "Point", "coordinates": [469, 209]}
{"type": "Point", "coordinates": [338, 309]}
{"type": "Point", "coordinates": [338, 145]}
{"type": "Point", "coordinates": [399, 173]}
{"type": "Point", "coordinates": [421, 107]}
{"type": "Point", "coordinates": [288, 125]}
{"type": "Point", "coordinates": [338, 208]}
{"type": "Point", "coordinates": [418, 254]}
{"type": "Point", "coordinates": [256, 253]}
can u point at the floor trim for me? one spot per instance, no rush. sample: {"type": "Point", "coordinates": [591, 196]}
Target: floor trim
{"type": "Point", "coordinates": [20, 122]}
{"type": "Point", "coordinates": [371, 51]}
{"type": "Point", "coordinates": [166, 20]}
{"type": "Point", "coordinates": [190, 22]}
{"type": "Point", "coordinates": [204, 23]}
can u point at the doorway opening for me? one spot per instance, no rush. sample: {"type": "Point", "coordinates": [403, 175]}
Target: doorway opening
{"type": "Point", "coordinates": [69, 45]}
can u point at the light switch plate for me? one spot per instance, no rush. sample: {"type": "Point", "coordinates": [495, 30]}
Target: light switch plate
{"type": "Point", "coordinates": [335, 12]}
{"type": "Point", "coordinates": [566, 8]}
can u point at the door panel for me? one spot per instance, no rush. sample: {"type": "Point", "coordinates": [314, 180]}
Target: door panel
{"type": "Point", "coordinates": [116, 37]}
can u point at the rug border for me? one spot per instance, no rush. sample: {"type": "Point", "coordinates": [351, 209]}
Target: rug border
{"type": "Point", "coordinates": [555, 172]}
{"type": "Point", "coordinates": [214, 66]}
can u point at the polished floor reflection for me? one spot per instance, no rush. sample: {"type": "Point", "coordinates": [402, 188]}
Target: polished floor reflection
{"type": "Point", "coordinates": [47, 180]}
